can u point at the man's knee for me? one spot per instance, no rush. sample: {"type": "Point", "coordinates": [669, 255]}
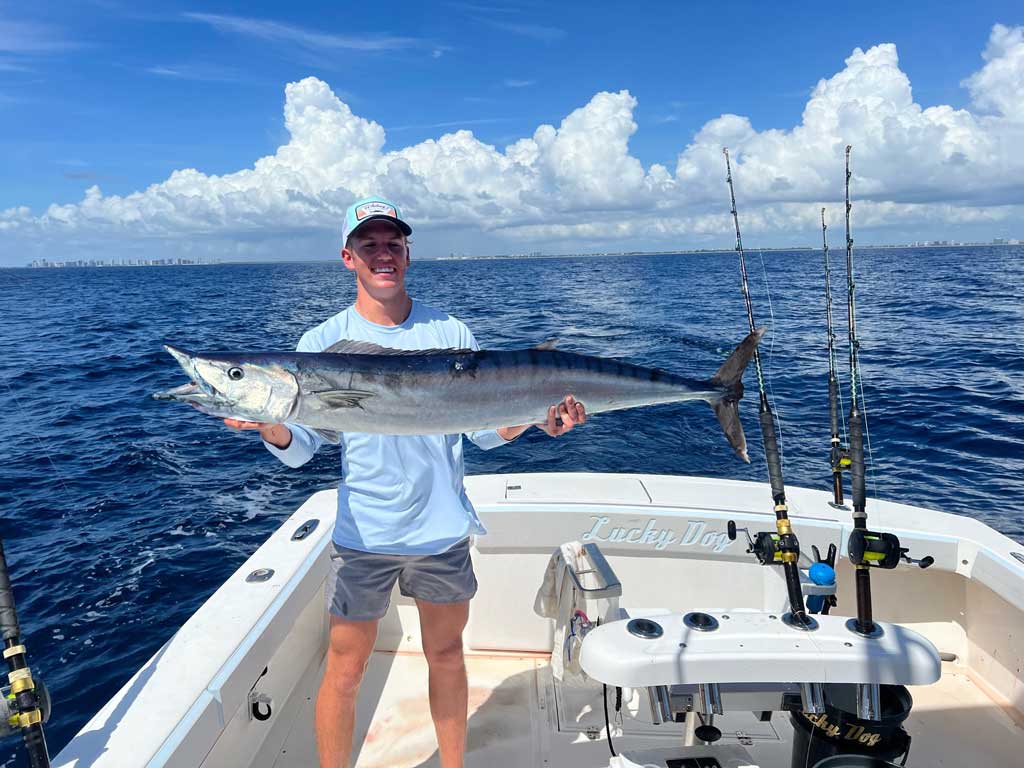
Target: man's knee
{"type": "Point", "coordinates": [344, 672]}
{"type": "Point", "coordinates": [445, 656]}
{"type": "Point", "coordinates": [348, 653]}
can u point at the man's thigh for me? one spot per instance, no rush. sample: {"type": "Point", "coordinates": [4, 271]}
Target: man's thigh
{"type": "Point", "coordinates": [441, 626]}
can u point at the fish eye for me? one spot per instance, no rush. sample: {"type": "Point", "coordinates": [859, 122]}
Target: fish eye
{"type": "Point", "coordinates": [235, 374]}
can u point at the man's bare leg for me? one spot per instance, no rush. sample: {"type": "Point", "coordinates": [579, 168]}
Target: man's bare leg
{"type": "Point", "coordinates": [351, 643]}
{"type": "Point", "coordinates": [441, 625]}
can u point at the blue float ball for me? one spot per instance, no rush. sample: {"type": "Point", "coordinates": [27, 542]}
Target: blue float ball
{"type": "Point", "coordinates": [822, 574]}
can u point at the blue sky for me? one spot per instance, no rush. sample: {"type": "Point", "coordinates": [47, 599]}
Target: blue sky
{"type": "Point", "coordinates": [121, 95]}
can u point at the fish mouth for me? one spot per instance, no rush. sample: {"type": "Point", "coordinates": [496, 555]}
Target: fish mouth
{"type": "Point", "coordinates": [184, 393]}
{"type": "Point", "coordinates": [198, 392]}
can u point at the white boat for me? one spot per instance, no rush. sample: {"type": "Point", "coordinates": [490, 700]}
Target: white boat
{"type": "Point", "coordinates": [235, 686]}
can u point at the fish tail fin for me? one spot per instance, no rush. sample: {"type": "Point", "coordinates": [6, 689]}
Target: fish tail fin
{"type": "Point", "coordinates": [730, 377]}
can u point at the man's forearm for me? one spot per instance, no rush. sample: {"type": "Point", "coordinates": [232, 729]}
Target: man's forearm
{"type": "Point", "coordinates": [511, 433]}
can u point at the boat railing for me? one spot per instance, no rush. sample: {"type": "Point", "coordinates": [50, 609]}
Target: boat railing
{"type": "Point", "coordinates": [600, 571]}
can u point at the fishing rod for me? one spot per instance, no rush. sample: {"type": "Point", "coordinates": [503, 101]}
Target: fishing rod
{"type": "Point", "coordinates": [26, 713]}
{"type": "Point", "coordinates": [838, 456]}
{"type": "Point", "coordinates": [781, 547]}
{"type": "Point", "coordinates": [865, 622]}
{"type": "Point", "coordinates": [866, 549]}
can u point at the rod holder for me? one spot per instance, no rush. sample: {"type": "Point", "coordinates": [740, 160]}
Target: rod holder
{"type": "Point", "coordinates": [812, 697]}
{"type": "Point", "coordinates": [710, 697]}
{"type": "Point", "coordinates": [869, 705]}
{"type": "Point", "coordinates": [661, 707]}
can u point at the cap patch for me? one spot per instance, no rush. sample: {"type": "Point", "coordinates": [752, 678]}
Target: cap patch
{"type": "Point", "coordinates": [375, 208]}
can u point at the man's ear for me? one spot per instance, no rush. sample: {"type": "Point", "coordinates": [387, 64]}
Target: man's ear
{"type": "Point", "coordinates": [347, 258]}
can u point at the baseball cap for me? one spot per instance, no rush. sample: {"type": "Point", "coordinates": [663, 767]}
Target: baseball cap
{"type": "Point", "coordinates": [372, 208]}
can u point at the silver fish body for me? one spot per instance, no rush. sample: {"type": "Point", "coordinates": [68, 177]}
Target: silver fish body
{"type": "Point", "coordinates": [452, 393]}
{"type": "Point", "coordinates": [358, 387]}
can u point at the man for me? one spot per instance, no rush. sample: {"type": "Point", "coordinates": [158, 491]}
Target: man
{"type": "Point", "coordinates": [403, 513]}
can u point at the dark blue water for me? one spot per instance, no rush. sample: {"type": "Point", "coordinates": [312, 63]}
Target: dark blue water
{"type": "Point", "coordinates": [121, 515]}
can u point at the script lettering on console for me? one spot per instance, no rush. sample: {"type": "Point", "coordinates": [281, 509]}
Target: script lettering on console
{"type": "Point", "coordinates": [695, 534]}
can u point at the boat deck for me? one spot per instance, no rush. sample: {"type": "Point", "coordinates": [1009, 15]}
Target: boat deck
{"type": "Point", "coordinates": [516, 719]}
{"type": "Point", "coordinates": [191, 705]}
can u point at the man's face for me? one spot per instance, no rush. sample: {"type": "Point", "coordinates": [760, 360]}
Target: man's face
{"type": "Point", "coordinates": [379, 256]}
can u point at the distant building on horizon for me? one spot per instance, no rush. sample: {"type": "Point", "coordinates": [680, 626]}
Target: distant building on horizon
{"type": "Point", "coordinates": [92, 263]}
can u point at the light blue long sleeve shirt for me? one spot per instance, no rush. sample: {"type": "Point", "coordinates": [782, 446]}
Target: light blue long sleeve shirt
{"type": "Point", "coordinates": [399, 494]}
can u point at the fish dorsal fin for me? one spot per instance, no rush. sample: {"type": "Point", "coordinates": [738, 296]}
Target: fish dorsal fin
{"type": "Point", "coordinates": [346, 347]}
{"type": "Point", "coordinates": [548, 345]}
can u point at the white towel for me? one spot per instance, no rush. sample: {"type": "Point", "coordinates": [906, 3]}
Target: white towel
{"type": "Point", "coordinates": [559, 599]}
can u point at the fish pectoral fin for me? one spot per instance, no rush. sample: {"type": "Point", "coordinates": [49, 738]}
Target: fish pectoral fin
{"type": "Point", "coordinates": [329, 435]}
{"type": "Point", "coordinates": [343, 398]}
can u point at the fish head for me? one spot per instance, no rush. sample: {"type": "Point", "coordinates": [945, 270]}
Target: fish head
{"type": "Point", "coordinates": [251, 388]}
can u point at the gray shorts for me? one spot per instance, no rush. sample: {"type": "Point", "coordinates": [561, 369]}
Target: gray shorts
{"type": "Point", "coordinates": [360, 583]}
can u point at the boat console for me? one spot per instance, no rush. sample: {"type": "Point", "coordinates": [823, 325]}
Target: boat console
{"type": "Point", "coordinates": [697, 665]}
{"type": "Point", "coordinates": [753, 647]}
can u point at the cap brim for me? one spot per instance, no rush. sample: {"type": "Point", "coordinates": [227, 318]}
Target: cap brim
{"type": "Point", "coordinates": [404, 228]}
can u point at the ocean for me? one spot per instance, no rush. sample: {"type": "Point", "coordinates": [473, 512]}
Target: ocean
{"type": "Point", "coordinates": [120, 515]}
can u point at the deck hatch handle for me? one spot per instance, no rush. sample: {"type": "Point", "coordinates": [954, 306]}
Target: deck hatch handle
{"type": "Point", "coordinates": [305, 529]}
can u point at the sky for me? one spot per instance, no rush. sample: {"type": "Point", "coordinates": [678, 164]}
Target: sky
{"type": "Point", "coordinates": [243, 130]}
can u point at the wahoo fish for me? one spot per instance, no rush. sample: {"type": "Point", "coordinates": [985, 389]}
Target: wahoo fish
{"type": "Point", "coordinates": [356, 386]}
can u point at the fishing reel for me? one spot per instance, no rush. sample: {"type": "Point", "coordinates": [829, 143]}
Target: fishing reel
{"type": "Point", "coordinates": [769, 547]}
{"type": "Point", "coordinates": [9, 722]}
{"type": "Point", "coordinates": [839, 458]}
{"type": "Point", "coordinates": [881, 550]}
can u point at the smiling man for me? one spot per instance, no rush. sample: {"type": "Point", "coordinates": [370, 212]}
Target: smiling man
{"type": "Point", "coordinates": [403, 513]}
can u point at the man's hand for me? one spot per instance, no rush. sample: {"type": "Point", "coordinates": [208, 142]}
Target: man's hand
{"type": "Point", "coordinates": [563, 417]}
{"type": "Point", "coordinates": [278, 435]}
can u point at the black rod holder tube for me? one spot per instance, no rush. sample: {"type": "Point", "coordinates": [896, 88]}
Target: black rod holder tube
{"type": "Point", "coordinates": [837, 488]}
{"type": "Point", "coordinates": [796, 595]}
{"type": "Point", "coordinates": [865, 619]}
{"type": "Point", "coordinates": [23, 689]}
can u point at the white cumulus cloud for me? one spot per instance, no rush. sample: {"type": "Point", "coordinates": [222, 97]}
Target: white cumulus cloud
{"type": "Point", "coordinates": [576, 185]}
{"type": "Point", "coordinates": [999, 85]}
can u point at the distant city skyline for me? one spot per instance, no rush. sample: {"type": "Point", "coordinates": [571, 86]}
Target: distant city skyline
{"type": "Point", "coordinates": [162, 131]}
{"type": "Point", "coordinates": [82, 263]}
